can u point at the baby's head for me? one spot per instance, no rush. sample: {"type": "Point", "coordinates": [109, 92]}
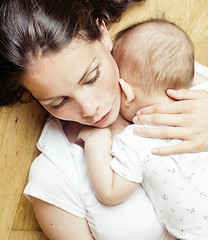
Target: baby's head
{"type": "Point", "coordinates": [152, 56]}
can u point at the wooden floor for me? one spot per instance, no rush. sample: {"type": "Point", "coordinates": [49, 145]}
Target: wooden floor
{"type": "Point", "coordinates": [20, 126]}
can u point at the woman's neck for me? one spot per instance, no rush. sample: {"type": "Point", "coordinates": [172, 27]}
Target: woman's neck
{"type": "Point", "coordinates": [72, 130]}
{"type": "Point", "coordinates": [119, 125]}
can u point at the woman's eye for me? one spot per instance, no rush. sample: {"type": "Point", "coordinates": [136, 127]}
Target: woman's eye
{"type": "Point", "coordinates": [95, 78]}
{"type": "Point", "coordinates": [55, 107]}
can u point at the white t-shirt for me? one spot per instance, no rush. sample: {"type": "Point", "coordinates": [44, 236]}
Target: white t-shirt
{"type": "Point", "coordinates": [59, 176]}
{"type": "Point", "coordinates": [176, 184]}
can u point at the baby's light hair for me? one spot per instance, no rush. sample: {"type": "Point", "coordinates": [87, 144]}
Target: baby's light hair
{"type": "Point", "coordinates": [155, 55]}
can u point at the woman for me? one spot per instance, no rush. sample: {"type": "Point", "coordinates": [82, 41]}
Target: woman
{"type": "Point", "coordinates": [60, 52]}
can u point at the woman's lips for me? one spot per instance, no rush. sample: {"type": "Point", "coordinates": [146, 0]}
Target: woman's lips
{"type": "Point", "coordinates": [102, 119]}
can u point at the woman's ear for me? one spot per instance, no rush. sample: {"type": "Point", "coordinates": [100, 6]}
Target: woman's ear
{"type": "Point", "coordinates": [105, 38]}
{"type": "Point", "coordinates": [128, 91]}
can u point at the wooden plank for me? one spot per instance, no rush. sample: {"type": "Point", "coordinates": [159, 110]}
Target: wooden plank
{"type": "Point", "coordinates": [20, 127]}
{"type": "Point", "coordinates": [27, 235]}
{"type": "Point", "coordinates": [25, 218]}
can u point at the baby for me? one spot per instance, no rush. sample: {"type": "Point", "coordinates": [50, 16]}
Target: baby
{"type": "Point", "coordinates": [152, 56]}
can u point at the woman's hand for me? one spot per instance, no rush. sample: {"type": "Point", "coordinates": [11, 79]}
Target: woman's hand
{"type": "Point", "coordinates": [186, 120]}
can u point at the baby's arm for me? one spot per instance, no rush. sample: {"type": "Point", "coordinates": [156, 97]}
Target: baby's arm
{"type": "Point", "coordinates": [109, 187]}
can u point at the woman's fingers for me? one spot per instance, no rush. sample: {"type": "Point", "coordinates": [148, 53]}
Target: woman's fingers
{"type": "Point", "coordinates": [169, 108]}
{"type": "Point", "coordinates": [174, 120]}
{"type": "Point", "coordinates": [192, 98]}
{"type": "Point", "coordinates": [176, 114]}
{"type": "Point", "coordinates": [161, 108]}
{"type": "Point", "coordinates": [189, 146]}
{"type": "Point", "coordinates": [185, 94]}
{"type": "Point", "coordinates": [193, 139]}
{"type": "Point", "coordinates": [190, 113]}
{"type": "Point", "coordinates": [183, 147]}
{"type": "Point", "coordinates": [162, 132]}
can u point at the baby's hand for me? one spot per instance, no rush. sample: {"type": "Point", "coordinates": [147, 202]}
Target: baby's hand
{"type": "Point", "coordinates": [89, 132]}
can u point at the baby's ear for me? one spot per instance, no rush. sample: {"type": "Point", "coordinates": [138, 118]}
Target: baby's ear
{"type": "Point", "coordinates": [128, 91]}
{"type": "Point", "coordinates": [105, 38]}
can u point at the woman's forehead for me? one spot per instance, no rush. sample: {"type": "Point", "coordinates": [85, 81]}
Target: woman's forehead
{"type": "Point", "coordinates": [75, 50]}
{"type": "Point", "coordinates": [70, 63]}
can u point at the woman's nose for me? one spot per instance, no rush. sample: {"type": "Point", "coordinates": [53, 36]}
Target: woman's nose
{"type": "Point", "coordinates": [88, 108]}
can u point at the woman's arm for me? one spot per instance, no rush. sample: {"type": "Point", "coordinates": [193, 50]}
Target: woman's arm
{"type": "Point", "coordinates": [58, 224]}
{"type": "Point", "coordinates": [189, 118]}
{"type": "Point", "coordinates": [109, 187]}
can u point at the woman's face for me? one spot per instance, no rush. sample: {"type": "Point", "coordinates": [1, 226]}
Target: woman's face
{"type": "Point", "coordinates": [80, 84]}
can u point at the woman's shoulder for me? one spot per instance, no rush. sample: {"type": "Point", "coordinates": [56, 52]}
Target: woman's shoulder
{"type": "Point", "coordinates": [52, 136]}
{"type": "Point", "coordinates": [58, 174]}
{"type": "Point", "coordinates": [56, 183]}
{"type": "Point", "coordinates": [57, 151]}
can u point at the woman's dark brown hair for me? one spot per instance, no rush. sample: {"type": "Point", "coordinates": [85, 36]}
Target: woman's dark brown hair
{"type": "Point", "coordinates": [31, 28]}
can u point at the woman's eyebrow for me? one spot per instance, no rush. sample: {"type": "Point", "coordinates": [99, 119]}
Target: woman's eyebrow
{"type": "Point", "coordinates": [86, 71]}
